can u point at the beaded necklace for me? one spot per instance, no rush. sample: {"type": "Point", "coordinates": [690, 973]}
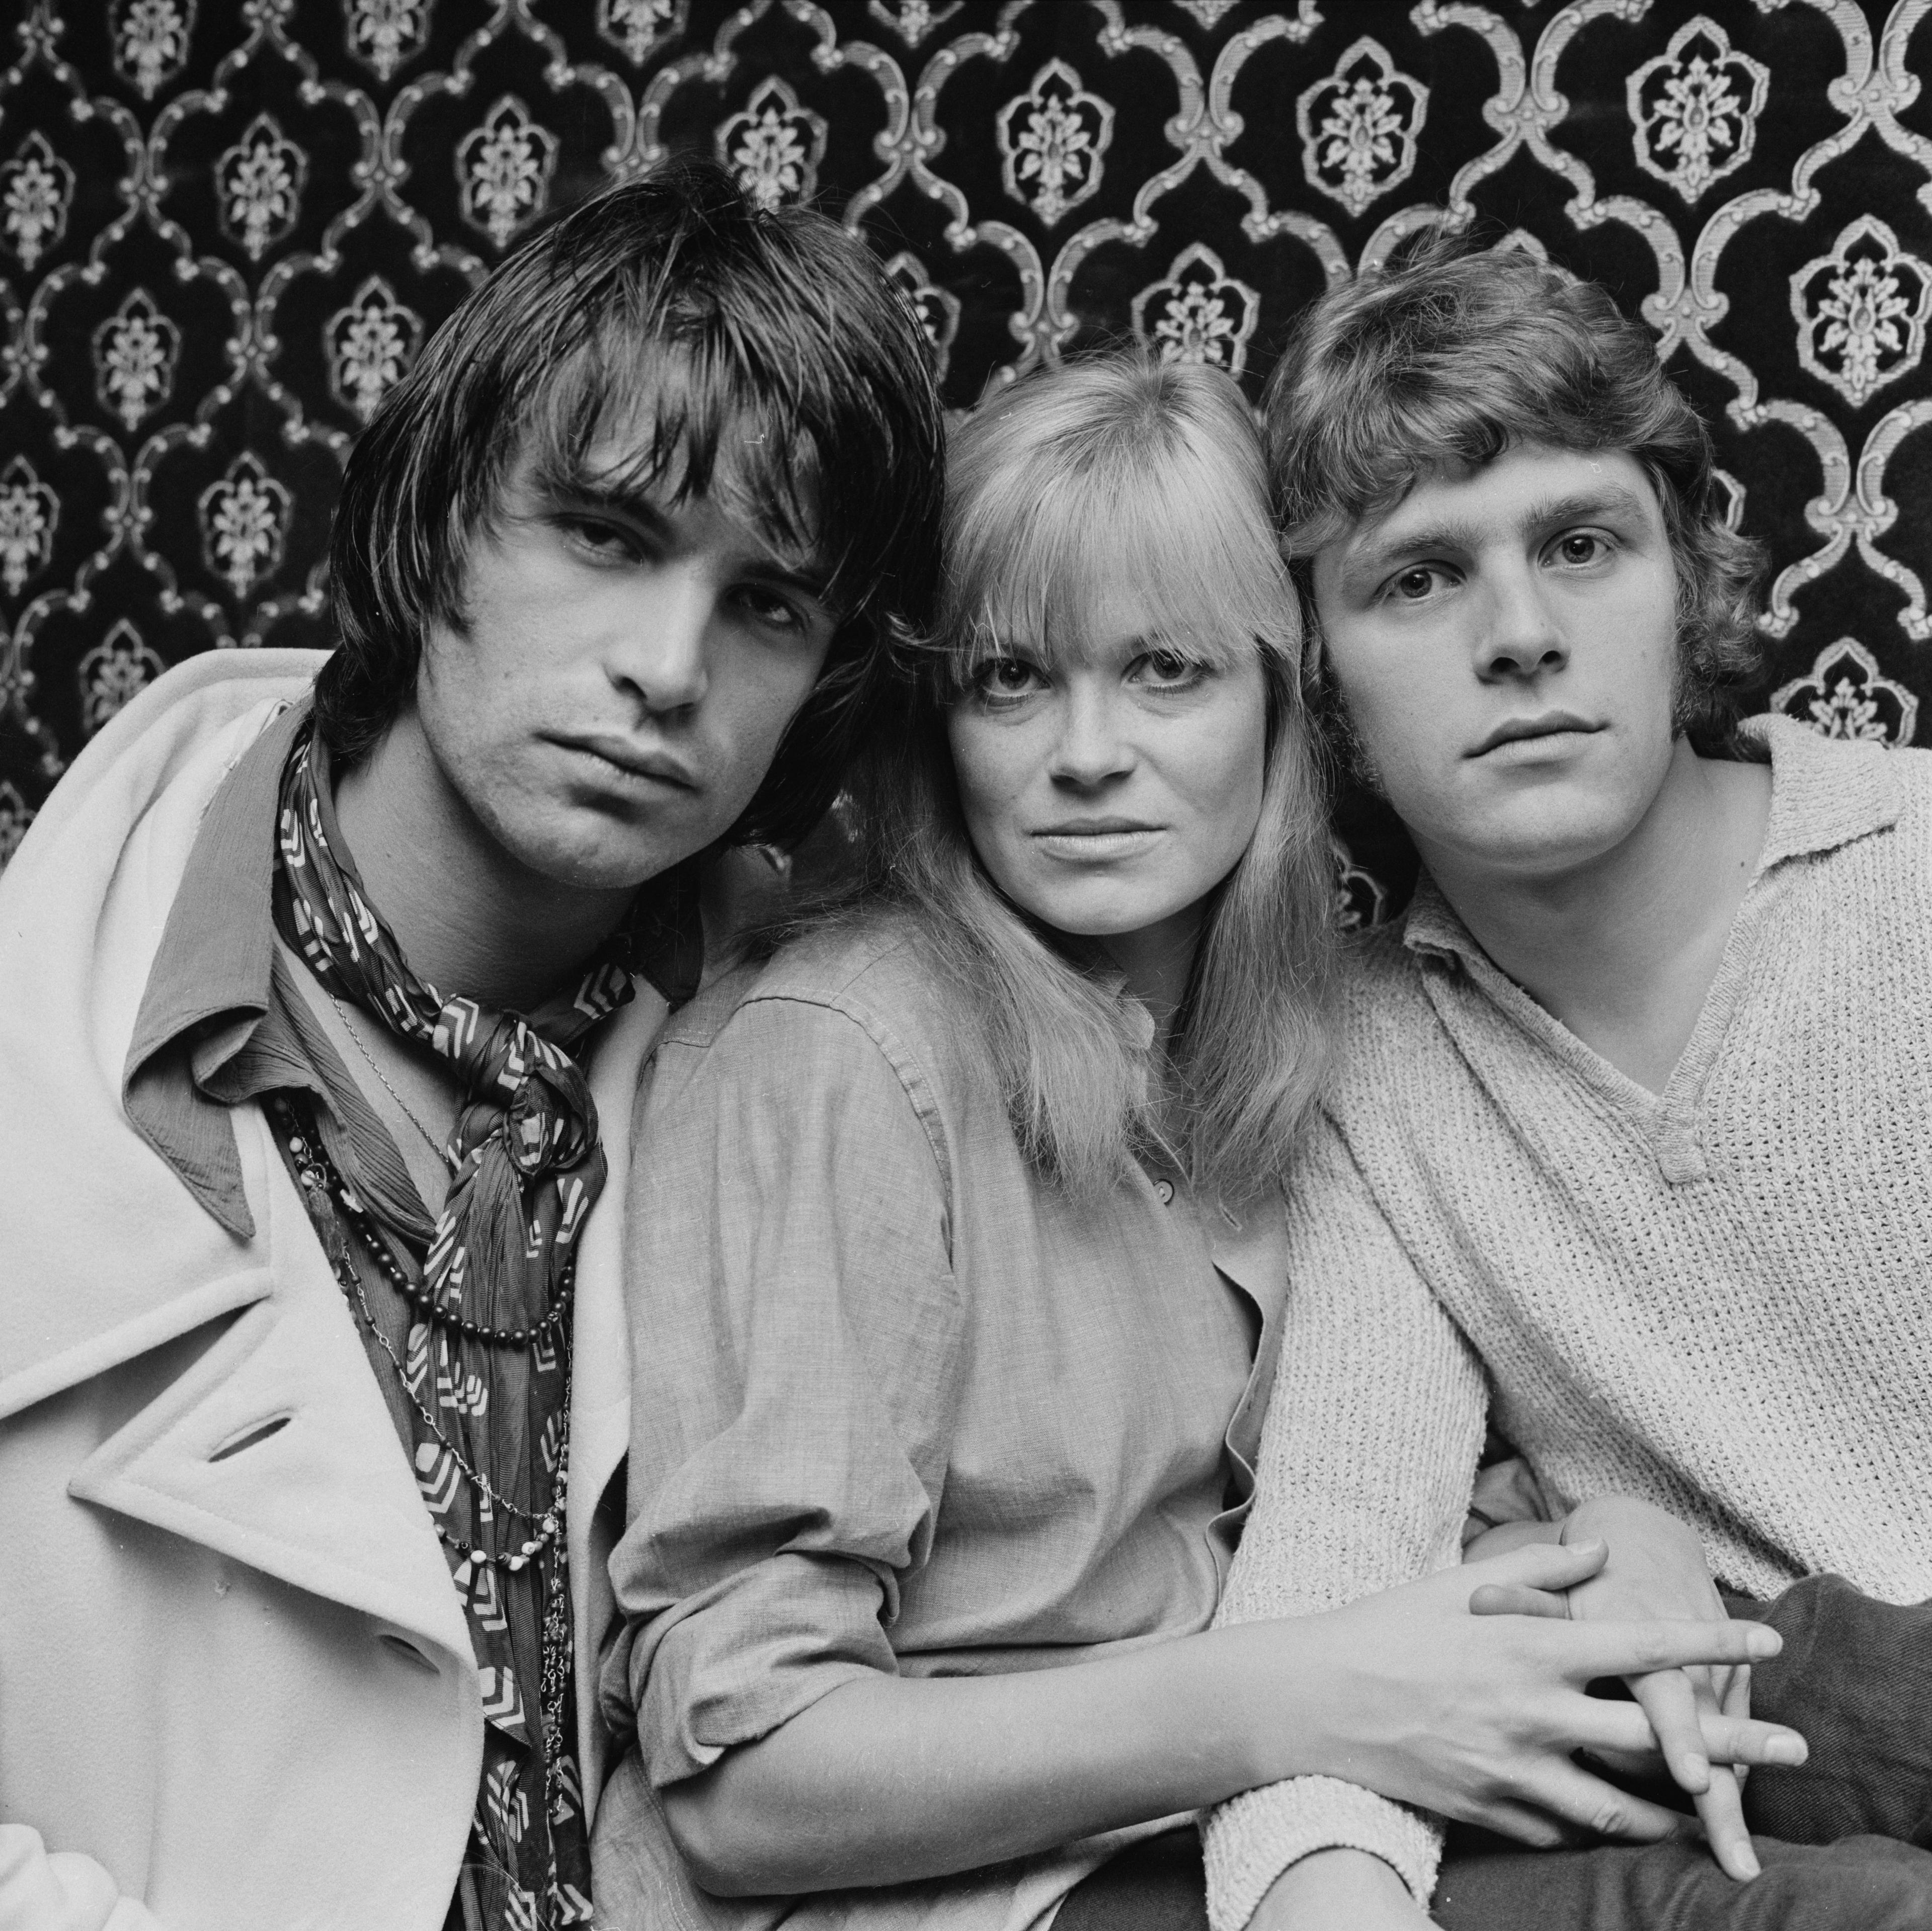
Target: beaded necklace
{"type": "Point", "coordinates": [487, 1363]}
{"type": "Point", "coordinates": [328, 1195]}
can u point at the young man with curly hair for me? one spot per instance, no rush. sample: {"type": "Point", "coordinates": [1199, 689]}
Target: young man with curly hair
{"type": "Point", "coordinates": [1628, 1154]}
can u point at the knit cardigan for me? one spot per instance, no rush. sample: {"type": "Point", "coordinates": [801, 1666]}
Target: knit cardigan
{"type": "Point", "coordinates": [1718, 1298]}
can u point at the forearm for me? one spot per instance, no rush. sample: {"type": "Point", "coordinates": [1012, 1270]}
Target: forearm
{"type": "Point", "coordinates": [889, 1779]}
{"type": "Point", "coordinates": [1339, 1887]}
{"type": "Point", "coordinates": [1373, 1430]}
{"type": "Point", "coordinates": [1406, 1693]}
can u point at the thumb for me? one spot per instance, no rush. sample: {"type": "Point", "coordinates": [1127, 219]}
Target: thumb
{"type": "Point", "coordinates": [1541, 1565]}
{"type": "Point", "coordinates": [1490, 1599]}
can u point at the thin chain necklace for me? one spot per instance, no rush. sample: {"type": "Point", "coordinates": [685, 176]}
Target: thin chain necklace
{"type": "Point", "coordinates": [546, 1552]}
{"type": "Point", "coordinates": [319, 1176]}
{"type": "Point", "coordinates": [435, 1145]}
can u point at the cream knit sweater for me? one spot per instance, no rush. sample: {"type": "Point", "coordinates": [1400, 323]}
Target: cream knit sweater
{"type": "Point", "coordinates": [1720, 1298]}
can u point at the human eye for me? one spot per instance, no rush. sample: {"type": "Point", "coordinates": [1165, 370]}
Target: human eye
{"type": "Point", "coordinates": [771, 609]}
{"type": "Point", "coordinates": [1166, 670]}
{"type": "Point", "coordinates": [1007, 680]}
{"type": "Point", "coordinates": [598, 539]}
{"type": "Point", "coordinates": [1578, 549]}
{"type": "Point", "coordinates": [1417, 583]}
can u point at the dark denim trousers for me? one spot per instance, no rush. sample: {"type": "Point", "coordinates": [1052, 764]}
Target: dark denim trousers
{"type": "Point", "coordinates": [1845, 1842]}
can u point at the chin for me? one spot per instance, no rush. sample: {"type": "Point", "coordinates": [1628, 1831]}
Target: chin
{"type": "Point", "coordinates": [1100, 922]}
{"type": "Point", "coordinates": [598, 863]}
{"type": "Point", "coordinates": [1113, 927]}
{"type": "Point", "coordinates": [1553, 844]}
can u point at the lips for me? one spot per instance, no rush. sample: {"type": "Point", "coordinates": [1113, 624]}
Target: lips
{"type": "Point", "coordinates": [1089, 828]}
{"type": "Point", "coordinates": [1548, 723]}
{"type": "Point", "coordinates": [1096, 841]}
{"type": "Point", "coordinates": [633, 761]}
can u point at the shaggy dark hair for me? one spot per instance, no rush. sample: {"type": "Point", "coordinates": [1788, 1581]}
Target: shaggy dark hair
{"type": "Point", "coordinates": [759, 356]}
{"type": "Point", "coordinates": [1449, 358]}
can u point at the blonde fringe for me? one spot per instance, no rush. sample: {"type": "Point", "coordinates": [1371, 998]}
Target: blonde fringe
{"type": "Point", "coordinates": [1117, 468]}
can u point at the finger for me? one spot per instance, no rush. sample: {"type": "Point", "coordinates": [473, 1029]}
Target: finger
{"type": "Point", "coordinates": [1620, 1734]}
{"type": "Point", "coordinates": [1734, 1699]}
{"type": "Point", "coordinates": [1734, 1691]}
{"type": "Point", "coordinates": [1743, 1740]}
{"type": "Point", "coordinates": [1517, 1599]}
{"type": "Point", "coordinates": [1522, 1825]}
{"type": "Point", "coordinates": [1643, 1766]}
{"type": "Point", "coordinates": [1589, 1649]}
{"type": "Point", "coordinates": [1670, 1703]}
{"type": "Point", "coordinates": [1720, 1807]}
{"type": "Point", "coordinates": [1541, 1565]}
{"type": "Point", "coordinates": [1571, 1794]}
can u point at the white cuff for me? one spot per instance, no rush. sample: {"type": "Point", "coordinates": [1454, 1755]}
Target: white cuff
{"type": "Point", "coordinates": [1251, 1839]}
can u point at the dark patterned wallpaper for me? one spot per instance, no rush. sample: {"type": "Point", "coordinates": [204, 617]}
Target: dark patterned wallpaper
{"type": "Point", "coordinates": [226, 226]}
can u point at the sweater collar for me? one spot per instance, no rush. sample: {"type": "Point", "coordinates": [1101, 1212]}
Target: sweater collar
{"type": "Point", "coordinates": [1825, 792]}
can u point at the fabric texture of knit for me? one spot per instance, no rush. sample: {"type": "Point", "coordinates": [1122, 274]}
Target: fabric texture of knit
{"type": "Point", "coordinates": [1715, 1297]}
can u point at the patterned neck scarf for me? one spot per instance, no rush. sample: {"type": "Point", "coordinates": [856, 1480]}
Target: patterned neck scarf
{"type": "Point", "coordinates": [526, 1164]}
{"type": "Point", "coordinates": [486, 1426]}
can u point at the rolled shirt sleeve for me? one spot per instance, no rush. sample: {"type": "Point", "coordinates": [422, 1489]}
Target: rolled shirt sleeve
{"type": "Point", "coordinates": [796, 1332]}
{"type": "Point", "coordinates": [1367, 1456]}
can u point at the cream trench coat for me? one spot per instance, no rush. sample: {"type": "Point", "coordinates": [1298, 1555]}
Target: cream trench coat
{"type": "Point", "coordinates": [237, 1692]}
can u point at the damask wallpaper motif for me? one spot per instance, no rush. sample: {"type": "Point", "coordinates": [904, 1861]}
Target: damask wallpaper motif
{"type": "Point", "coordinates": [226, 227]}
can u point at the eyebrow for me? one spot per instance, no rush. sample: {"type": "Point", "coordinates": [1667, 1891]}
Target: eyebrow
{"type": "Point", "coordinates": [1613, 502]}
{"type": "Point", "coordinates": [639, 506]}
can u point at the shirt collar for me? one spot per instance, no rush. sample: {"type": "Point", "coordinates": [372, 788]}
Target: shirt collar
{"type": "Point", "coordinates": [1824, 793]}
{"type": "Point", "coordinates": [211, 975]}
{"type": "Point", "coordinates": [211, 986]}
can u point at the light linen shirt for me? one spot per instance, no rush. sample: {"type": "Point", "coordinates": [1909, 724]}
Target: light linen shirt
{"type": "Point", "coordinates": [899, 1407]}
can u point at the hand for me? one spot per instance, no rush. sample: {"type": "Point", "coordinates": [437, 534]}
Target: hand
{"type": "Point", "coordinates": [1339, 1886]}
{"type": "Point", "coordinates": [1656, 1567]}
{"type": "Point", "coordinates": [1506, 1497]}
{"type": "Point", "coordinates": [1478, 1717]}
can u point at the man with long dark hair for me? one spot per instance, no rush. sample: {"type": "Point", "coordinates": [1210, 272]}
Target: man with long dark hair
{"type": "Point", "coordinates": [322, 1025]}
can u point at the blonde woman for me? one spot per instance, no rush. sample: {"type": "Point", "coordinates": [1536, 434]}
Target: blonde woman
{"type": "Point", "coordinates": [955, 1244]}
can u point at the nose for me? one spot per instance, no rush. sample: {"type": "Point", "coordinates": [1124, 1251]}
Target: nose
{"type": "Point", "coordinates": [1090, 748]}
{"type": "Point", "coordinates": [658, 640]}
{"type": "Point", "coordinates": [1521, 635]}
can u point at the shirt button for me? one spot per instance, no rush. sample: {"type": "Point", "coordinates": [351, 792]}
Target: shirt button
{"type": "Point", "coordinates": [1164, 1192]}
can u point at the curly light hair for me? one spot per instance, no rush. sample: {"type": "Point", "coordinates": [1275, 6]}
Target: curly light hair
{"type": "Point", "coordinates": [1449, 357]}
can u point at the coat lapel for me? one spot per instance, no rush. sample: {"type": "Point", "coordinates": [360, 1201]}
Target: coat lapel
{"type": "Point", "coordinates": [275, 1448]}
{"type": "Point", "coordinates": [106, 1254]}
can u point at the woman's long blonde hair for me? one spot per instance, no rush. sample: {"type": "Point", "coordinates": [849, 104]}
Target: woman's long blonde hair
{"type": "Point", "coordinates": [1117, 469]}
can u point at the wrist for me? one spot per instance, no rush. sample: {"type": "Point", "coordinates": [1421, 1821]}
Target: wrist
{"type": "Point", "coordinates": [1635, 1532]}
{"type": "Point", "coordinates": [1338, 1886]}
{"type": "Point", "coordinates": [1600, 1515]}
{"type": "Point", "coordinates": [1655, 1565]}
{"type": "Point", "coordinates": [1263, 1725]}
